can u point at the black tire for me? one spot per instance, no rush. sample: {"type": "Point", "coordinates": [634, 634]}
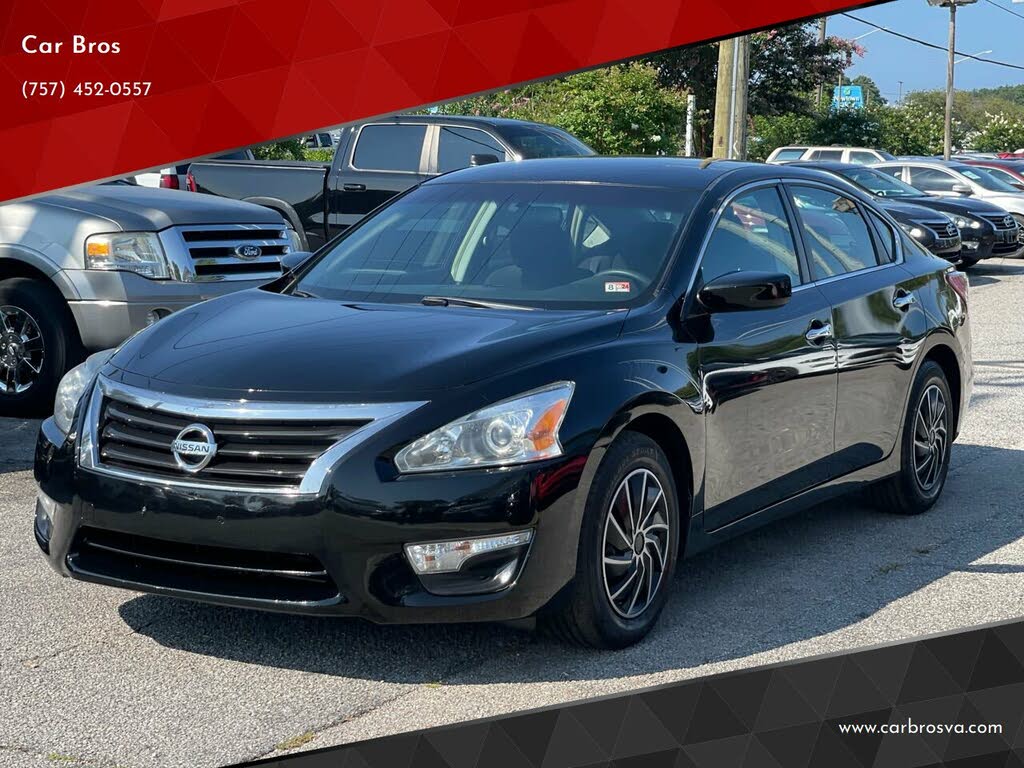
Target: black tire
{"type": "Point", "coordinates": [906, 493]}
{"type": "Point", "coordinates": [586, 615]}
{"type": "Point", "coordinates": [966, 263]}
{"type": "Point", "coordinates": [45, 307]}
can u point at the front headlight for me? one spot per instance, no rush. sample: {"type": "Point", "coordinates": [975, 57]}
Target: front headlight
{"type": "Point", "coordinates": [915, 232]}
{"type": "Point", "coordinates": [966, 222]}
{"type": "Point", "coordinates": [139, 252]}
{"type": "Point", "coordinates": [73, 386]}
{"type": "Point", "coordinates": [522, 429]}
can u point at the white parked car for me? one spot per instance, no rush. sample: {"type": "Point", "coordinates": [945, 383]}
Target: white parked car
{"type": "Point", "coordinates": [855, 155]}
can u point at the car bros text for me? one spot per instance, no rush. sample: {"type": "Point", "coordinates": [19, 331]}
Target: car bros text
{"type": "Point", "coordinates": [79, 44]}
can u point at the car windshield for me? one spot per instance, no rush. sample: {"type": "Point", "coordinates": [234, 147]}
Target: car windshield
{"type": "Point", "coordinates": [534, 141]}
{"type": "Point", "coordinates": [881, 184]}
{"type": "Point", "coordinates": [552, 245]}
{"type": "Point", "coordinates": [985, 179]}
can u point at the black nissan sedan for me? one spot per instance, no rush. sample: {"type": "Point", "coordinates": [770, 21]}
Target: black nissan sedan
{"type": "Point", "coordinates": [522, 389]}
{"type": "Point", "coordinates": [986, 230]}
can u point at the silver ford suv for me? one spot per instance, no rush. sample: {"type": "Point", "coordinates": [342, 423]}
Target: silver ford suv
{"type": "Point", "coordinates": [83, 270]}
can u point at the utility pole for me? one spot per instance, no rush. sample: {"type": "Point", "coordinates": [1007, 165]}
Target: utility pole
{"type": "Point", "coordinates": [822, 29]}
{"type": "Point", "coordinates": [947, 148]}
{"type": "Point", "coordinates": [691, 109]}
{"type": "Point", "coordinates": [731, 99]}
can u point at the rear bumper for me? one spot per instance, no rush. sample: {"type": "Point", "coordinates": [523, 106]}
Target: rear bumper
{"type": "Point", "coordinates": [111, 306]}
{"type": "Point", "coordinates": [324, 555]}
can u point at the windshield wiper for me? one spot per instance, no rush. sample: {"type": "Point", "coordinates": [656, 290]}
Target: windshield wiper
{"type": "Point", "coordinates": [304, 294]}
{"type": "Point", "coordinates": [448, 301]}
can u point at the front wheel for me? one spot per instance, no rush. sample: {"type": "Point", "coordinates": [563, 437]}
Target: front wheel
{"type": "Point", "coordinates": [927, 443]}
{"type": "Point", "coordinates": [36, 346]}
{"type": "Point", "coordinates": [628, 548]}
{"type": "Point", "coordinates": [967, 263]}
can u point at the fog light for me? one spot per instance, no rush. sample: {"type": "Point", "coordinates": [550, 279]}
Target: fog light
{"type": "Point", "coordinates": [971, 245]}
{"type": "Point", "coordinates": [450, 556]}
{"type": "Point", "coordinates": [45, 509]}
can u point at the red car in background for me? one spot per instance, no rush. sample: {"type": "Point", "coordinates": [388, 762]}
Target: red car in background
{"type": "Point", "coordinates": [1010, 171]}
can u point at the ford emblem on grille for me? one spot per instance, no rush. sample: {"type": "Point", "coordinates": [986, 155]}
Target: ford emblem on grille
{"type": "Point", "coordinates": [194, 447]}
{"type": "Point", "coordinates": [248, 251]}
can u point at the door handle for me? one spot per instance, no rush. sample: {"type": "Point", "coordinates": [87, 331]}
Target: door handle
{"type": "Point", "coordinates": [819, 333]}
{"type": "Point", "coordinates": [350, 187]}
{"type": "Point", "coordinates": [903, 299]}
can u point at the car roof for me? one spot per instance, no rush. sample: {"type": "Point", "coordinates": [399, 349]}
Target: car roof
{"type": "Point", "coordinates": [467, 120]}
{"type": "Point", "coordinates": [826, 165]}
{"type": "Point", "coordinates": [649, 171]}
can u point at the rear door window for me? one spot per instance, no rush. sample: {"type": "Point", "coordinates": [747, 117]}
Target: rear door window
{"type": "Point", "coordinates": [860, 157]}
{"type": "Point", "coordinates": [389, 148]}
{"type": "Point", "coordinates": [827, 154]}
{"type": "Point", "coordinates": [932, 179]}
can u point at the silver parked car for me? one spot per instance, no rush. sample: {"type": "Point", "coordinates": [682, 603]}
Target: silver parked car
{"type": "Point", "coordinates": [956, 179]}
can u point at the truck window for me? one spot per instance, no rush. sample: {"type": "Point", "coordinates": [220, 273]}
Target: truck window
{"type": "Point", "coordinates": [389, 148]}
{"type": "Point", "coordinates": [456, 145]}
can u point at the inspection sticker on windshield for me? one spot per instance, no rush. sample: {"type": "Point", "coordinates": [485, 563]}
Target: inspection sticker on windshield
{"type": "Point", "coordinates": [617, 287]}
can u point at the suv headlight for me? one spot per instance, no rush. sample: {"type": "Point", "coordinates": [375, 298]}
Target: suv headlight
{"type": "Point", "coordinates": [515, 431]}
{"type": "Point", "coordinates": [73, 386]}
{"type": "Point", "coordinates": [139, 252]}
{"type": "Point", "coordinates": [966, 222]}
{"type": "Point", "coordinates": [915, 232]}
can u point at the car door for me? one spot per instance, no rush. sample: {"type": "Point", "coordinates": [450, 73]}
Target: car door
{"type": "Point", "coordinates": [454, 147]}
{"type": "Point", "coordinates": [934, 181]}
{"type": "Point", "coordinates": [768, 375]}
{"type": "Point", "coordinates": [382, 160]}
{"type": "Point", "coordinates": [853, 256]}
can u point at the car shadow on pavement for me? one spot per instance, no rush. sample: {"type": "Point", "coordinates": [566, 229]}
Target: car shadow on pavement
{"type": "Point", "coordinates": [990, 272]}
{"type": "Point", "coordinates": [815, 573]}
{"type": "Point", "coordinates": [17, 444]}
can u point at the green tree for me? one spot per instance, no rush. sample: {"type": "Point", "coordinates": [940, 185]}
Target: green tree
{"type": "Point", "coordinates": [289, 149]}
{"type": "Point", "coordinates": [772, 131]}
{"type": "Point", "coordinates": [617, 110]}
{"type": "Point", "coordinates": [1001, 133]}
{"type": "Point", "coordinates": [872, 94]}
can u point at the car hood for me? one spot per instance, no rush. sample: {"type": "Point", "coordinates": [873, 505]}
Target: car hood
{"type": "Point", "coordinates": [1013, 203]}
{"type": "Point", "coordinates": [902, 211]}
{"type": "Point", "coordinates": [965, 206]}
{"type": "Point", "coordinates": [262, 345]}
{"type": "Point", "coordinates": [145, 209]}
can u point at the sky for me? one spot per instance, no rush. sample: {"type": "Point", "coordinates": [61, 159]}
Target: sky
{"type": "Point", "coordinates": [980, 27]}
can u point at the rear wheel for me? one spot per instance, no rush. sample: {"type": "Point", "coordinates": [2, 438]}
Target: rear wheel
{"type": "Point", "coordinates": [627, 552]}
{"type": "Point", "coordinates": [35, 346]}
{"type": "Point", "coordinates": [927, 443]}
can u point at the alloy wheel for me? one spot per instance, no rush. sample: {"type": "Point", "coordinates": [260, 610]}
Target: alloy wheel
{"type": "Point", "coordinates": [21, 350]}
{"type": "Point", "coordinates": [931, 429]}
{"type": "Point", "coordinates": [636, 543]}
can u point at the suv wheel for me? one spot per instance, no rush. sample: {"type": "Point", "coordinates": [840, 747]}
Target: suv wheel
{"type": "Point", "coordinates": [927, 445]}
{"type": "Point", "coordinates": [627, 552]}
{"type": "Point", "coordinates": [35, 333]}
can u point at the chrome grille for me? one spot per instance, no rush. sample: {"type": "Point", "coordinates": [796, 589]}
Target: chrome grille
{"type": "Point", "coordinates": [266, 453]}
{"type": "Point", "coordinates": [261, 447]}
{"type": "Point", "coordinates": [943, 228]}
{"type": "Point", "coordinates": [1001, 221]}
{"type": "Point", "coordinates": [218, 252]}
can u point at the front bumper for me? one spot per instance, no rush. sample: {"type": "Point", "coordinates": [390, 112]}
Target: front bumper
{"type": "Point", "coordinates": [993, 245]}
{"type": "Point", "coordinates": [339, 553]}
{"type": "Point", "coordinates": [111, 306]}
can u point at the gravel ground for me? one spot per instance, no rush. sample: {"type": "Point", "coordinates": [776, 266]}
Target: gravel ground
{"type": "Point", "coordinates": [100, 677]}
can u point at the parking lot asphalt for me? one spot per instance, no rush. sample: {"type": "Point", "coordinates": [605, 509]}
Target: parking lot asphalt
{"type": "Point", "coordinates": [101, 677]}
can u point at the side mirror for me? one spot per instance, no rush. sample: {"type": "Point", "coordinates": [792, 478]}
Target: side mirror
{"type": "Point", "coordinates": [292, 261]}
{"type": "Point", "coordinates": [741, 291]}
{"type": "Point", "coordinates": [963, 189]}
{"type": "Point", "coordinates": [482, 159]}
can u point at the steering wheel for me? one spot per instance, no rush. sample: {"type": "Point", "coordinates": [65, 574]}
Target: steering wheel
{"type": "Point", "coordinates": [624, 273]}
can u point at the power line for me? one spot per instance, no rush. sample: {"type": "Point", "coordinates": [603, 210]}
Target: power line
{"type": "Point", "coordinates": [933, 45]}
{"type": "Point", "coordinates": [1002, 7]}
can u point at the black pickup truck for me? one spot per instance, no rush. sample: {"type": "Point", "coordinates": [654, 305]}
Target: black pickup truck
{"type": "Point", "coordinates": [375, 161]}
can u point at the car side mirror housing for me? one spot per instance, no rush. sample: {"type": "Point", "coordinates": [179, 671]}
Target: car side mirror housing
{"type": "Point", "coordinates": [742, 291]}
{"type": "Point", "coordinates": [292, 261]}
{"type": "Point", "coordinates": [482, 159]}
{"type": "Point", "coordinates": [963, 189]}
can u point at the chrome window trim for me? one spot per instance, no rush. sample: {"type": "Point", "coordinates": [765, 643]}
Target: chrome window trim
{"type": "Point", "coordinates": [316, 477]}
{"type": "Point", "coordinates": [776, 182]}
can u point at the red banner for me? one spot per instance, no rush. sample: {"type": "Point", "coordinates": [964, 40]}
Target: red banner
{"type": "Point", "coordinates": [96, 88]}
